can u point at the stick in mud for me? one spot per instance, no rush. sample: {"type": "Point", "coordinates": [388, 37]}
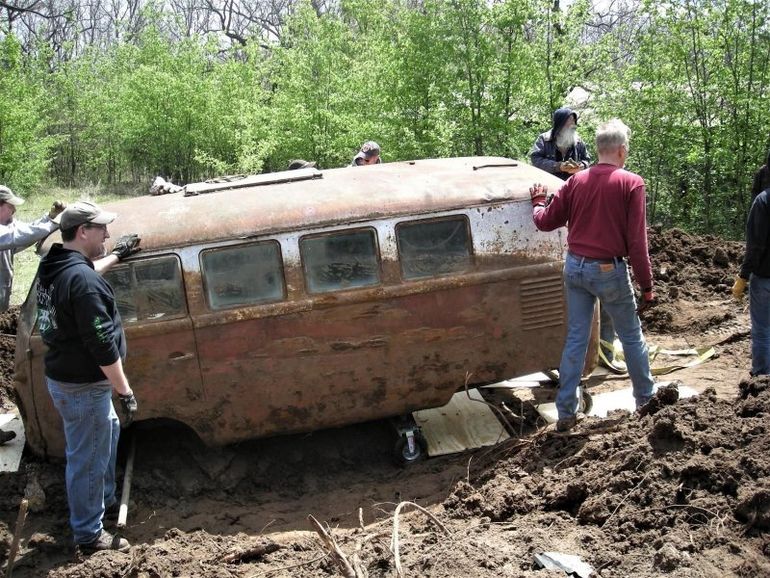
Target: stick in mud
{"type": "Point", "coordinates": [17, 536]}
{"type": "Point", "coordinates": [127, 477]}
{"type": "Point", "coordinates": [333, 549]}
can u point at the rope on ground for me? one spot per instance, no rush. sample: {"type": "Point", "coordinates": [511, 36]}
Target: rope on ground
{"type": "Point", "coordinates": [394, 538]}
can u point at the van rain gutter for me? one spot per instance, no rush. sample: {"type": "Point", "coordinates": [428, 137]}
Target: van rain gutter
{"type": "Point", "coordinates": [475, 168]}
{"type": "Point", "coordinates": [195, 189]}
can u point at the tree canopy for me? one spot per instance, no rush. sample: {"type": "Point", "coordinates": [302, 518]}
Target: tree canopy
{"type": "Point", "coordinates": [121, 90]}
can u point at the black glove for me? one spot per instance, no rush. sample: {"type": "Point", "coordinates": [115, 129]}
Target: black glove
{"type": "Point", "coordinates": [126, 246]}
{"type": "Point", "coordinates": [56, 208]}
{"type": "Point", "coordinates": [128, 402]}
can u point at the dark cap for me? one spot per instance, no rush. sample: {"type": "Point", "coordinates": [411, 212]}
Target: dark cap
{"type": "Point", "coordinates": [84, 212]}
{"type": "Point", "coordinates": [301, 164]}
{"type": "Point", "coordinates": [7, 196]}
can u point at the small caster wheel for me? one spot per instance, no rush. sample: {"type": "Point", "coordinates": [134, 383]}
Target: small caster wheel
{"type": "Point", "coordinates": [410, 448]}
{"type": "Point", "coordinates": [586, 401]}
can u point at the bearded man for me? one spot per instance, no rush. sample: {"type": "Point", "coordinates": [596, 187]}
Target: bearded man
{"type": "Point", "coordinates": [560, 151]}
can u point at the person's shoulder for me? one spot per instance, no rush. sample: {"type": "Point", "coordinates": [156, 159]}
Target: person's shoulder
{"type": "Point", "coordinates": [630, 176]}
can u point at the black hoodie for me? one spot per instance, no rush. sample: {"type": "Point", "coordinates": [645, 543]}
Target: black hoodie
{"type": "Point", "coordinates": [546, 155]}
{"type": "Point", "coordinates": [78, 318]}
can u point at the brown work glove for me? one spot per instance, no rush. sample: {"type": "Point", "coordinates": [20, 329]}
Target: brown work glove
{"type": "Point", "coordinates": [537, 194]}
{"type": "Point", "coordinates": [56, 209]}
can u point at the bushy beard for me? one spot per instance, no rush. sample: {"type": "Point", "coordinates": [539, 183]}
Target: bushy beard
{"type": "Point", "coordinates": [566, 138]}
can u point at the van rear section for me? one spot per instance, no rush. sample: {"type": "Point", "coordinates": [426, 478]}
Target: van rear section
{"type": "Point", "coordinates": [346, 296]}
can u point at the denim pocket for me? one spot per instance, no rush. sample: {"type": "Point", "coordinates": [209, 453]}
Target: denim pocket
{"type": "Point", "coordinates": [68, 405]}
{"type": "Point", "coordinates": [609, 285]}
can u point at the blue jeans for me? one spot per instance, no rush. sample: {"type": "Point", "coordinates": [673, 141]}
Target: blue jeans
{"type": "Point", "coordinates": [759, 305]}
{"type": "Point", "coordinates": [91, 432]}
{"type": "Point", "coordinates": [584, 282]}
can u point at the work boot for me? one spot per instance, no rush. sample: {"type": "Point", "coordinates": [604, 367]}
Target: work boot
{"type": "Point", "coordinates": [105, 541]}
{"type": "Point", "coordinates": [566, 423]}
{"type": "Point", "coordinates": [6, 436]}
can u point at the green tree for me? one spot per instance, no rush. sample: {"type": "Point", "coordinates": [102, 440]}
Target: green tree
{"type": "Point", "coordinates": [24, 146]}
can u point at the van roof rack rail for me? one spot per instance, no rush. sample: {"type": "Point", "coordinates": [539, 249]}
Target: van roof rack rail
{"type": "Point", "coordinates": [240, 181]}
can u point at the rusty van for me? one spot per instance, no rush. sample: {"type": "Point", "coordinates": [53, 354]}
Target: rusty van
{"type": "Point", "coordinates": [294, 301]}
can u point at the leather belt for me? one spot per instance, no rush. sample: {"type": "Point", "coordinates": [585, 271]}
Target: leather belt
{"type": "Point", "coordinates": [596, 260]}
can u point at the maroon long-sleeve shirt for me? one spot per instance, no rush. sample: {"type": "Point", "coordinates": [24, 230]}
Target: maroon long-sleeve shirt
{"type": "Point", "coordinates": [605, 211]}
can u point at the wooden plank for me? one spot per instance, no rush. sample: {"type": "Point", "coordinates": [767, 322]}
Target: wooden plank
{"type": "Point", "coordinates": [459, 425]}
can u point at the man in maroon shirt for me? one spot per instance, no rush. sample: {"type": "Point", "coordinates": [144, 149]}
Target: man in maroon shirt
{"type": "Point", "coordinates": [604, 207]}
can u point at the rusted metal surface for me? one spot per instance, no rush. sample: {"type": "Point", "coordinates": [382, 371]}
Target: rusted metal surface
{"type": "Point", "coordinates": [342, 196]}
{"type": "Point", "coordinates": [310, 361]}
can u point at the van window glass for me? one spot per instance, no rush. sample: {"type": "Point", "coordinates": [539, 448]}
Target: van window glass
{"type": "Point", "coordinates": [243, 274]}
{"type": "Point", "coordinates": [148, 289]}
{"type": "Point", "coordinates": [432, 248]}
{"type": "Point", "coordinates": [339, 261]}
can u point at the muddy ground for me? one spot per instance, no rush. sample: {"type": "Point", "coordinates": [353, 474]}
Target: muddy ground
{"type": "Point", "coordinates": [682, 491]}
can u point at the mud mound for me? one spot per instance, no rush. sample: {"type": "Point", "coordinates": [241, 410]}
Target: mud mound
{"type": "Point", "coordinates": [692, 273]}
{"type": "Point", "coordinates": [7, 352]}
{"type": "Point", "coordinates": [668, 487]}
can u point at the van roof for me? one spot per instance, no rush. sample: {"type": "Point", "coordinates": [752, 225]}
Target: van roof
{"type": "Point", "coordinates": [340, 196]}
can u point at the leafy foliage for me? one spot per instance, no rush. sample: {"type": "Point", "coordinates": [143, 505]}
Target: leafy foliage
{"type": "Point", "coordinates": [168, 92]}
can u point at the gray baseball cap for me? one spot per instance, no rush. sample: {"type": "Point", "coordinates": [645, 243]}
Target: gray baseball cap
{"type": "Point", "coordinates": [369, 149]}
{"type": "Point", "coordinates": [7, 196]}
{"type": "Point", "coordinates": [84, 212]}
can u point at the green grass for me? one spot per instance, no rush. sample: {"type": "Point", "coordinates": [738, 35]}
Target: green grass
{"type": "Point", "coordinates": [26, 261]}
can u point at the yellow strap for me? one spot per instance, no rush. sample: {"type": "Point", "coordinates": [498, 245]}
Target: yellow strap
{"type": "Point", "coordinates": [701, 353]}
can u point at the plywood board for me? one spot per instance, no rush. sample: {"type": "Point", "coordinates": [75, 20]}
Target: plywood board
{"type": "Point", "coordinates": [459, 425]}
{"type": "Point", "coordinates": [10, 452]}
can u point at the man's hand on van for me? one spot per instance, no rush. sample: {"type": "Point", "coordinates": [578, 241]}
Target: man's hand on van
{"type": "Point", "coordinates": [126, 246]}
{"type": "Point", "coordinates": [537, 194]}
{"type": "Point", "coordinates": [129, 404]}
{"type": "Point", "coordinates": [56, 208]}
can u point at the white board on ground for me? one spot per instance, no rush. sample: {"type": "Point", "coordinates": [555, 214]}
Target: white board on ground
{"type": "Point", "coordinates": [603, 403]}
{"type": "Point", "coordinates": [459, 425]}
{"type": "Point", "coordinates": [10, 452]}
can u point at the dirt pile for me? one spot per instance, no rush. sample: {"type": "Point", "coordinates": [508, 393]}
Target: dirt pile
{"type": "Point", "coordinates": [683, 491]}
{"type": "Point", "coordinates": [661, 493]}
{"type": "Point", "coordinates": [691, 269]}
{"type": "Point", "coordinates": [7, 352]}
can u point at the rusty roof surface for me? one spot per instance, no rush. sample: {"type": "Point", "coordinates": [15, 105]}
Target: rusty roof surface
{"type": "Point", "coordinates": [344, 195]}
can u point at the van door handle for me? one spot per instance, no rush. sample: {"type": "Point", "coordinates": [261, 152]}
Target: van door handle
{"type": "Point", "coordinates": [179, 356]}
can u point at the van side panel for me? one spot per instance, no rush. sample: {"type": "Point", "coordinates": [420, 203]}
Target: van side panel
{"type": "Point", "coordinates": [379, 353]}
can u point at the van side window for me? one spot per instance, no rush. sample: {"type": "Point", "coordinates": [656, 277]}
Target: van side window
{"type": "Point", "coordinates": [338, 261]}
{"type": "Point", "coordinates": [433, 248]}
{"type": "Point", "coordinates": [148, 289]}
{"type": "Point", "coordinates": [243, 274]}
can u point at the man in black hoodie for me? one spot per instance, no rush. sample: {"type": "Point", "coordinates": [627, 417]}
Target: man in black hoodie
{"type": "Point", "coordinates": [560, 151]}
{"type": "Point", "coordinates": [79, 322]}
